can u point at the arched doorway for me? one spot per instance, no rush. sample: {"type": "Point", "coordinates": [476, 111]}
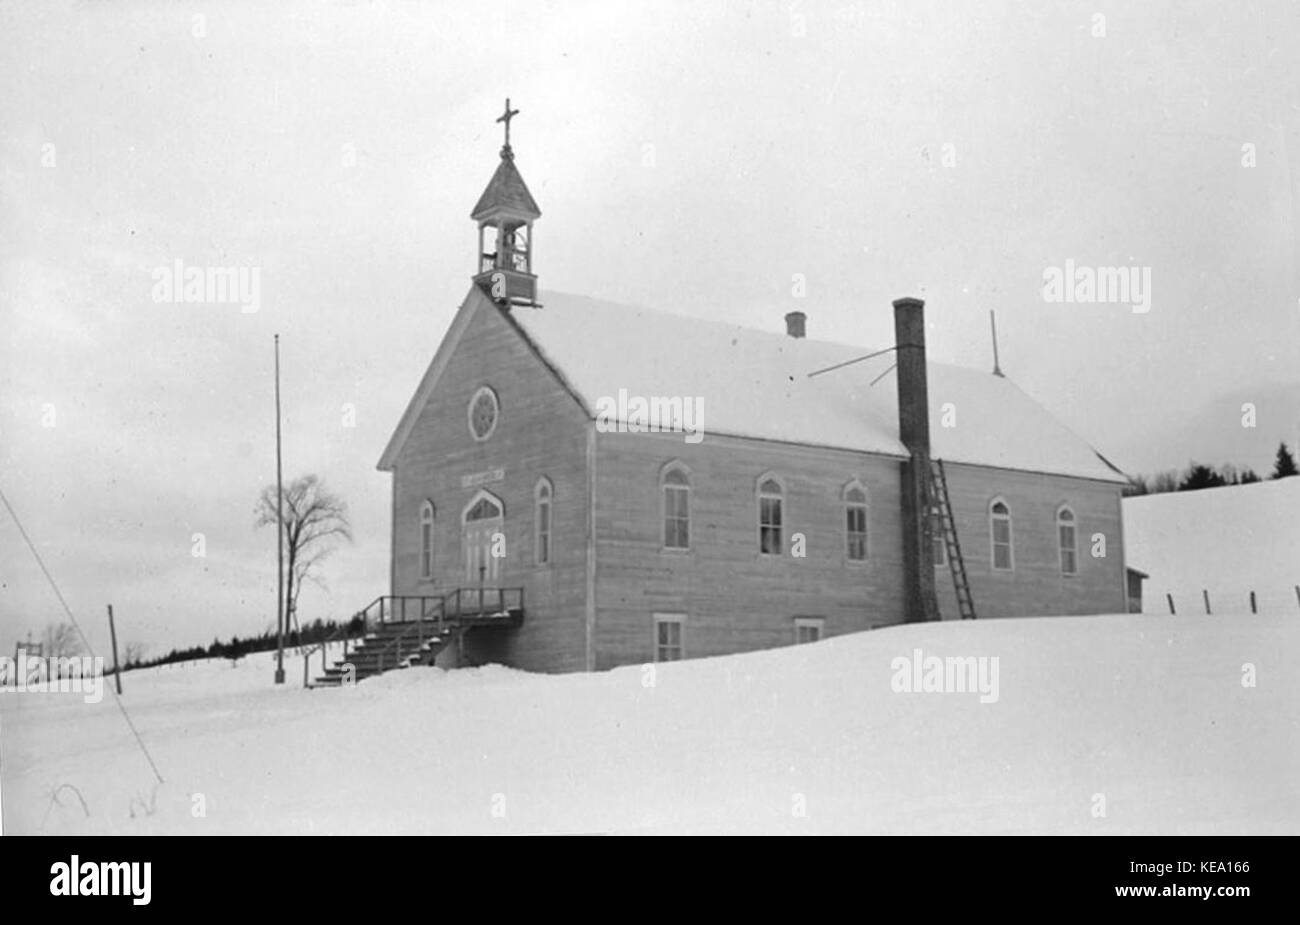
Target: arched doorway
{"type": "Point", "coordinates": [481, 540]}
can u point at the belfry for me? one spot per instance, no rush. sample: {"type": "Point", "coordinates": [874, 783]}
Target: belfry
{"type": "Point", "coordinates": [505, 214]}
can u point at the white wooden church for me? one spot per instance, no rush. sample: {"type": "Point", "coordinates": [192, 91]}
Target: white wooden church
{"type": "Point", "coordinates": [556, 508]}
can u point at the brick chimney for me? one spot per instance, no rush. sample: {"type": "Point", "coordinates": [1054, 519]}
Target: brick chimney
{"type": "Point", "coordinates": [794, 323]}
{"type": "Point", "coordinates": [920, 602]}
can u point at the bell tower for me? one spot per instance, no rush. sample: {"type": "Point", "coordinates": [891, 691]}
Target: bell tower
{"type": "Point", "coordinates": [505, 214]}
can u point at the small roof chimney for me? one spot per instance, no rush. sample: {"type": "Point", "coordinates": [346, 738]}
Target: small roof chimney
{"type": "Point", "coordinates": [794, 323]}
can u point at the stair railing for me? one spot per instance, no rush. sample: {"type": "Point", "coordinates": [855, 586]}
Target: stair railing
{"type": "Point", "coordinates": [449, 610]}
{"type": "Point", "coordinates": [343, 631]}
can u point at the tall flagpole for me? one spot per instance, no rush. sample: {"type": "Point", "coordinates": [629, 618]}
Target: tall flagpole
{"type": "Point", "coordinates": [279, 528]}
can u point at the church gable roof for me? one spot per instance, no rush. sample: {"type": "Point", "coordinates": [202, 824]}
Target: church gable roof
{"type": "Point", "coordinates": [506, 194]}
{"type": "Point", "coordinates": [756, 384]}
{"type": "Point", "coordinates": [475, 301]}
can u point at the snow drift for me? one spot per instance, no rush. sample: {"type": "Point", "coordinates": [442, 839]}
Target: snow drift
{"type": "Point", "coordinates": [1227, 541]}
{"type": "Point", "coordinates": [1119, 724]}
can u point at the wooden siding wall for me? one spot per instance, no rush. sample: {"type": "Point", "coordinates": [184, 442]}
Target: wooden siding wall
{"type": "Point", "coordinates": [736, 599]}
{"type": "Point", "coordinates": [1035, 585]}
{"type": "Point", "coordinates": [541, 430]}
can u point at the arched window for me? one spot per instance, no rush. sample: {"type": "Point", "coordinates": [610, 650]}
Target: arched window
{"type": "Point", "coordinates": [426, 540]}
{"type": "Point", "coordinates": [1067, 536]}
{"type": "Point", "coordinates": [1000, 532]}
{"type": "Point", "coordinates": [483, 506]}
{"type": "Point", "coordinates": [542, 521]}
{"type": "Point", "coordinates": [771, 515]}
{"type": "Point", "coordinates": [855, 522]}
{"type": "Point", "coordinates": [676, 487]}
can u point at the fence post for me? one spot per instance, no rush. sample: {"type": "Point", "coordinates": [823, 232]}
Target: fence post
{"type": "Point", "coordinates": [112, 631]}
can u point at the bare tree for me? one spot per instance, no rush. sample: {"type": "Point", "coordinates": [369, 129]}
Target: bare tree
{"type": "Point", "coordinates": [60, 640]}
{"type": "Point", "coordinates": [133, 654]}
{"type": "Point", "coordinates": [314, 519]}
{"type": "Point", "coordinates": [1137, 485]}
{"type": "Point", "coordinates": [1165, 481]}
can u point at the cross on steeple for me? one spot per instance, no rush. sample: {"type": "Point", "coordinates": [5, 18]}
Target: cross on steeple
{"type": "Point", "coordinates": [506, 117]}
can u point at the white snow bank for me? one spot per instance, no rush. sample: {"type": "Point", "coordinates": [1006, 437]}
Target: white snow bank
{"type": "Point", "coordinates": [1148, 712]}
{"type": "Point", "coordinates": [1227, 541]}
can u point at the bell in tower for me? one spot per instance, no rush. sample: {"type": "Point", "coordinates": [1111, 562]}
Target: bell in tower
{"type": "Point", "coordinates": [505, 214]}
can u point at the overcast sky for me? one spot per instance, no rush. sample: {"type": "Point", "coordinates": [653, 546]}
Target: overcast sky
{"type": "Point", "coordinates": [692, 157]}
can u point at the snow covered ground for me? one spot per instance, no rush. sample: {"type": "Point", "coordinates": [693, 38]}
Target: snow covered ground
{"type": "Point", "coordinates": [1149, 712]}
{"type": "Point", "coordinates": [1227, 541]}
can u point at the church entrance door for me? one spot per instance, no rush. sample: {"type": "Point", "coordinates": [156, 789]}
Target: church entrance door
{"type": "Point", "coordinates": [482, 540]}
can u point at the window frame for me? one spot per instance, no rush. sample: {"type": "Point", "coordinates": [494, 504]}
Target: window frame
{"type": "Point", "coordinates": [850, 505]}
{"type": "Point", "coordinates": [994, 517]}
{"type": "Point", "coordinates": [677, 619]}
{"type": "Point", "coordinates": [813, 623]}
{"type": "Point", "coordinates": [760, 496]}
{"type": "Point", "coordinates": [1073, 523]}
{"type": "Point", "coordinates": [674, 467]}
{"type": "Point", "coordinates": [496, 412]}
{"type": "Point", "coordinates": [483, 495]}
{"type": "Point", "coordinates": [428, 515]}
{"type": "Point", "coordinates": [543, 497]}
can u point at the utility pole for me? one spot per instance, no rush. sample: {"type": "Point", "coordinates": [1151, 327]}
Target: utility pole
{"type": "Point", "coordinates": [279, 528]}
{"type": "Point", "coordinates": [112, 633]}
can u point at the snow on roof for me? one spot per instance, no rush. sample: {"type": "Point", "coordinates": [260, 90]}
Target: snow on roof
{"type": "Point", "coordinates": [1227, 541]}
{"type": "Point", "coordinates": [756, 384]}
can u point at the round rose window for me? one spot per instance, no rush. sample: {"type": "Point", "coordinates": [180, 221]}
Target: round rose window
{"type": "Point", "coordinates": [483, 411]}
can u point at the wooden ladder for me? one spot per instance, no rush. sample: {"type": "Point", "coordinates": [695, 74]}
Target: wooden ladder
{"type": "Point", "coordinates": [956, 564]}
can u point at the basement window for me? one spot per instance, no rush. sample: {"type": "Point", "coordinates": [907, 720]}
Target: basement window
{"type": "Point", "coordinates": [808, 629]}
{"type": "Point", "coordinates": [668, 637]}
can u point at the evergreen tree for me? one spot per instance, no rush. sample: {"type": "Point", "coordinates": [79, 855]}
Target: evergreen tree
{"type": "Point", "coordinates": [1285, 463]}
{"type": "Point", "coordinates": [1199, 476]}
